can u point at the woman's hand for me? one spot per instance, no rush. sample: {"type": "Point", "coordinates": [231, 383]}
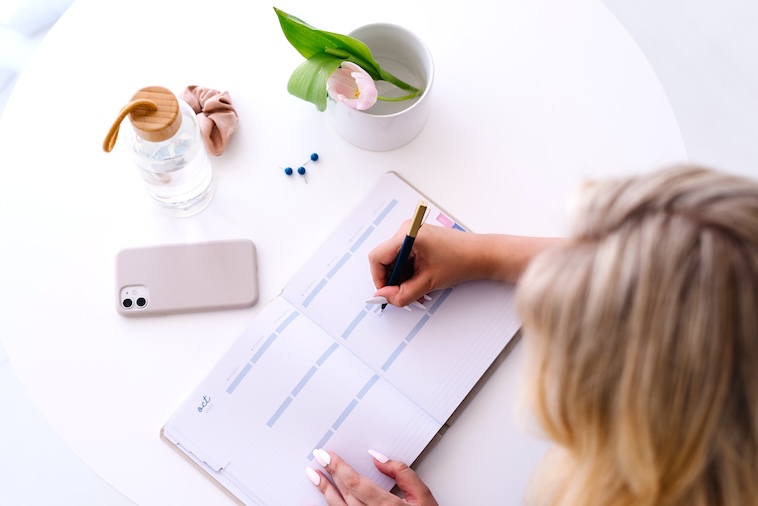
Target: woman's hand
{"type": "Point", "coordinates": [354, 489]}
{"type": "Point", "coordinates": [435, 262]}
{"type": "Point", "coordinates": [444, 257]}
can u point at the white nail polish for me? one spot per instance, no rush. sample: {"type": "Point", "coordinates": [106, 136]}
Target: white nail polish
{"type": "Point", "coordinates": [377, 300]}
{"type": "Point", "coordinates": [313, 476]}
{"type": "Point", "coordinates": [407, 308]}
{"type": "Point", "coordinates": [378, 456]}
{"type": "Point", "coordinates": [322, 457]}
{"type": "Point", "coordinates": [426, 297]}
{"type": "Point", "coordinates": [418, 304]}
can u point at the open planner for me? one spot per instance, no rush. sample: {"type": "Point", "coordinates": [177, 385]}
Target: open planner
{"type": "Point", "coordinates": [320, 368]}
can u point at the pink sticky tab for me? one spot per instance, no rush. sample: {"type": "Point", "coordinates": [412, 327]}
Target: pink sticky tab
{"type": "Point", "coordinates": [444, 220]}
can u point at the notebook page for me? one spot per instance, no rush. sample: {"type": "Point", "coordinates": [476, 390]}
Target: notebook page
{"type": "Point", "coordinates": [283, 389]}
{"type": "Point", "coordinates": [436, 354]}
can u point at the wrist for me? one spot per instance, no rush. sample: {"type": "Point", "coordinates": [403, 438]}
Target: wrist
{"type": "Point", "coordinates": [505, 257]}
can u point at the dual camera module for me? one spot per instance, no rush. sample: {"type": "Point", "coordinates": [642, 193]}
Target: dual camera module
{"type": "Point", "coordinates": [127, 303]}
{"type": "Point", "coordinates": [134, 297]}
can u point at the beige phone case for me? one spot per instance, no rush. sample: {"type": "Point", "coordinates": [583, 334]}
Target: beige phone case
{"type": "Point", "coordinates": [182, 278]}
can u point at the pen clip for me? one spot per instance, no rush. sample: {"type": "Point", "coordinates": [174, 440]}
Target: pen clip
{"type": "Point", "coordinates": [419, 217]}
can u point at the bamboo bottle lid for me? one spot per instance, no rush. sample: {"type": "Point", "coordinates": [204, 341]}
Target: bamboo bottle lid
{"type": "Point", "coordinates": [159, 125]}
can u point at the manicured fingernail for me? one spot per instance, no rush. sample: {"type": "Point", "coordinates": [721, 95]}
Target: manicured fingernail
{"type": "Point", "coordinates": [377, 300]}
{"type": "Point", "coordinates": [378, 456]}
{"type": "Point", "coordinates": [407, 308]}
{"type": "Point", "coordinates": [418, 304]}
{"type": "Point", "coordinates": [313, 476]}
{"type": "Point", "coordinates": [426, 297]}
{"type": "Point", "coordinates": [322, 457]}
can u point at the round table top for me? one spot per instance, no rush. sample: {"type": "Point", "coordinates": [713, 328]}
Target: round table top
{"type": "Point", "coordinates": [530, 98]}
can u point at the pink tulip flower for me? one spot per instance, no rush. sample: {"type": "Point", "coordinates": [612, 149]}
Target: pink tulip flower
{"type": "Point", "coordinates": [352, 86]}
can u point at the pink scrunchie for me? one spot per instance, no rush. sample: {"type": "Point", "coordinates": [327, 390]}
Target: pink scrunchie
{"type": "Point", "coordinates": [216, 115]}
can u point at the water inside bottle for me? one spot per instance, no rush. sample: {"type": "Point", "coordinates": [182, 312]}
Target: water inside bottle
{"type": "Point", "coordinates": [177, 172]}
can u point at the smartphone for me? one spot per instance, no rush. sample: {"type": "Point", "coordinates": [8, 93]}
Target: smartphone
{"type": "Point", "coordinates": [182, 278]}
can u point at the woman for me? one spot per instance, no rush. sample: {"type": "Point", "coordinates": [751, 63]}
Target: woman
{"type": "Point", "coordinates": [641, 331]}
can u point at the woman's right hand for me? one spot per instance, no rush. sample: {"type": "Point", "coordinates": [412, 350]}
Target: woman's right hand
{"type": "Point", "coordinates": [444, 257]}
{"type": "Point", "coordinates": [436, 262]}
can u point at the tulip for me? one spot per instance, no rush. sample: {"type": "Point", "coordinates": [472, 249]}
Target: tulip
{"type": "Point", "coordinates": [352, 86]}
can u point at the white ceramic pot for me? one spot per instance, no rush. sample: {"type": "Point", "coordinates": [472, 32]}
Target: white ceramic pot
{"type": "Point", "coordinates": [389, 125]}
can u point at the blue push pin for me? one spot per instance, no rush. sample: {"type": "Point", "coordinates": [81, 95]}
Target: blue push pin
{"type": "Point", "coordinates": [301, 170]}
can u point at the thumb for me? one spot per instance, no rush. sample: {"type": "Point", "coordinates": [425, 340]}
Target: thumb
{"type": "Point", "coordinates": [415, 491]}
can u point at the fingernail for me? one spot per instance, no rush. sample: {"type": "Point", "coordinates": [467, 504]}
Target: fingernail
{"type": "Point", "coordinates": [377, 300]}
{"type": "Point", "coordinates": [322, 457]}
{"type": "Point", "coordinates": [418, 304]}
{"type": "Point", "coordinates": [427, 297]}
{"type": "Point", "coordinates": [378, 456]}
{"type": "Point", "coordinates": [313, 476]}
{"type": "Point", "coordinates": [407, 308]}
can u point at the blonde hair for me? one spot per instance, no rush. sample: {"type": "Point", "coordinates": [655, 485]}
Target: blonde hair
{"type": "Point", "coordinates": [642, 333]}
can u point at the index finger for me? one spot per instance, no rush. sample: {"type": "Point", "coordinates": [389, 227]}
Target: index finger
{"type": "Point", "coordinates": [382, 257]}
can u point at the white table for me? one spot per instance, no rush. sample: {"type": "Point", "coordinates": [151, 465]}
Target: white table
{"type": "Point", "coordinates": [531, 97]}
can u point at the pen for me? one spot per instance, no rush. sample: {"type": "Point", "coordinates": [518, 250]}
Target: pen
{"type": "Point", "coordinates": [405, 250]}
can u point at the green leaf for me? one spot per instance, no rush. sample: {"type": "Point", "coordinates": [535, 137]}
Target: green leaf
{"type": "Point", "coordinates": [309, 41]}
{"type": "Point", "coordinates": [308, 81]}
{"type": "Point", "coordinates": [300, 34]}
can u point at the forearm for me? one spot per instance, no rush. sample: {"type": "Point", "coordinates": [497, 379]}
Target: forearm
{"type": "Point", "coordinates": [503, 257]}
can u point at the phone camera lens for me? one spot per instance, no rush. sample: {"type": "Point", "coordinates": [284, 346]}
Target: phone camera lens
{"type": "Point", "coordinates": [141, 302]}
{"type": "Point", "coordinates": [127, 303]}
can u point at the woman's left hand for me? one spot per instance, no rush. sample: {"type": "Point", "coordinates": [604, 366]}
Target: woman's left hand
{"type": "Point", "coordinates": [355, 489]}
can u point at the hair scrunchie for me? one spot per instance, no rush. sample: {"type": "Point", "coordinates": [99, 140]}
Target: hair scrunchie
{"type": "Point", "coordinates": [216, 115]}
